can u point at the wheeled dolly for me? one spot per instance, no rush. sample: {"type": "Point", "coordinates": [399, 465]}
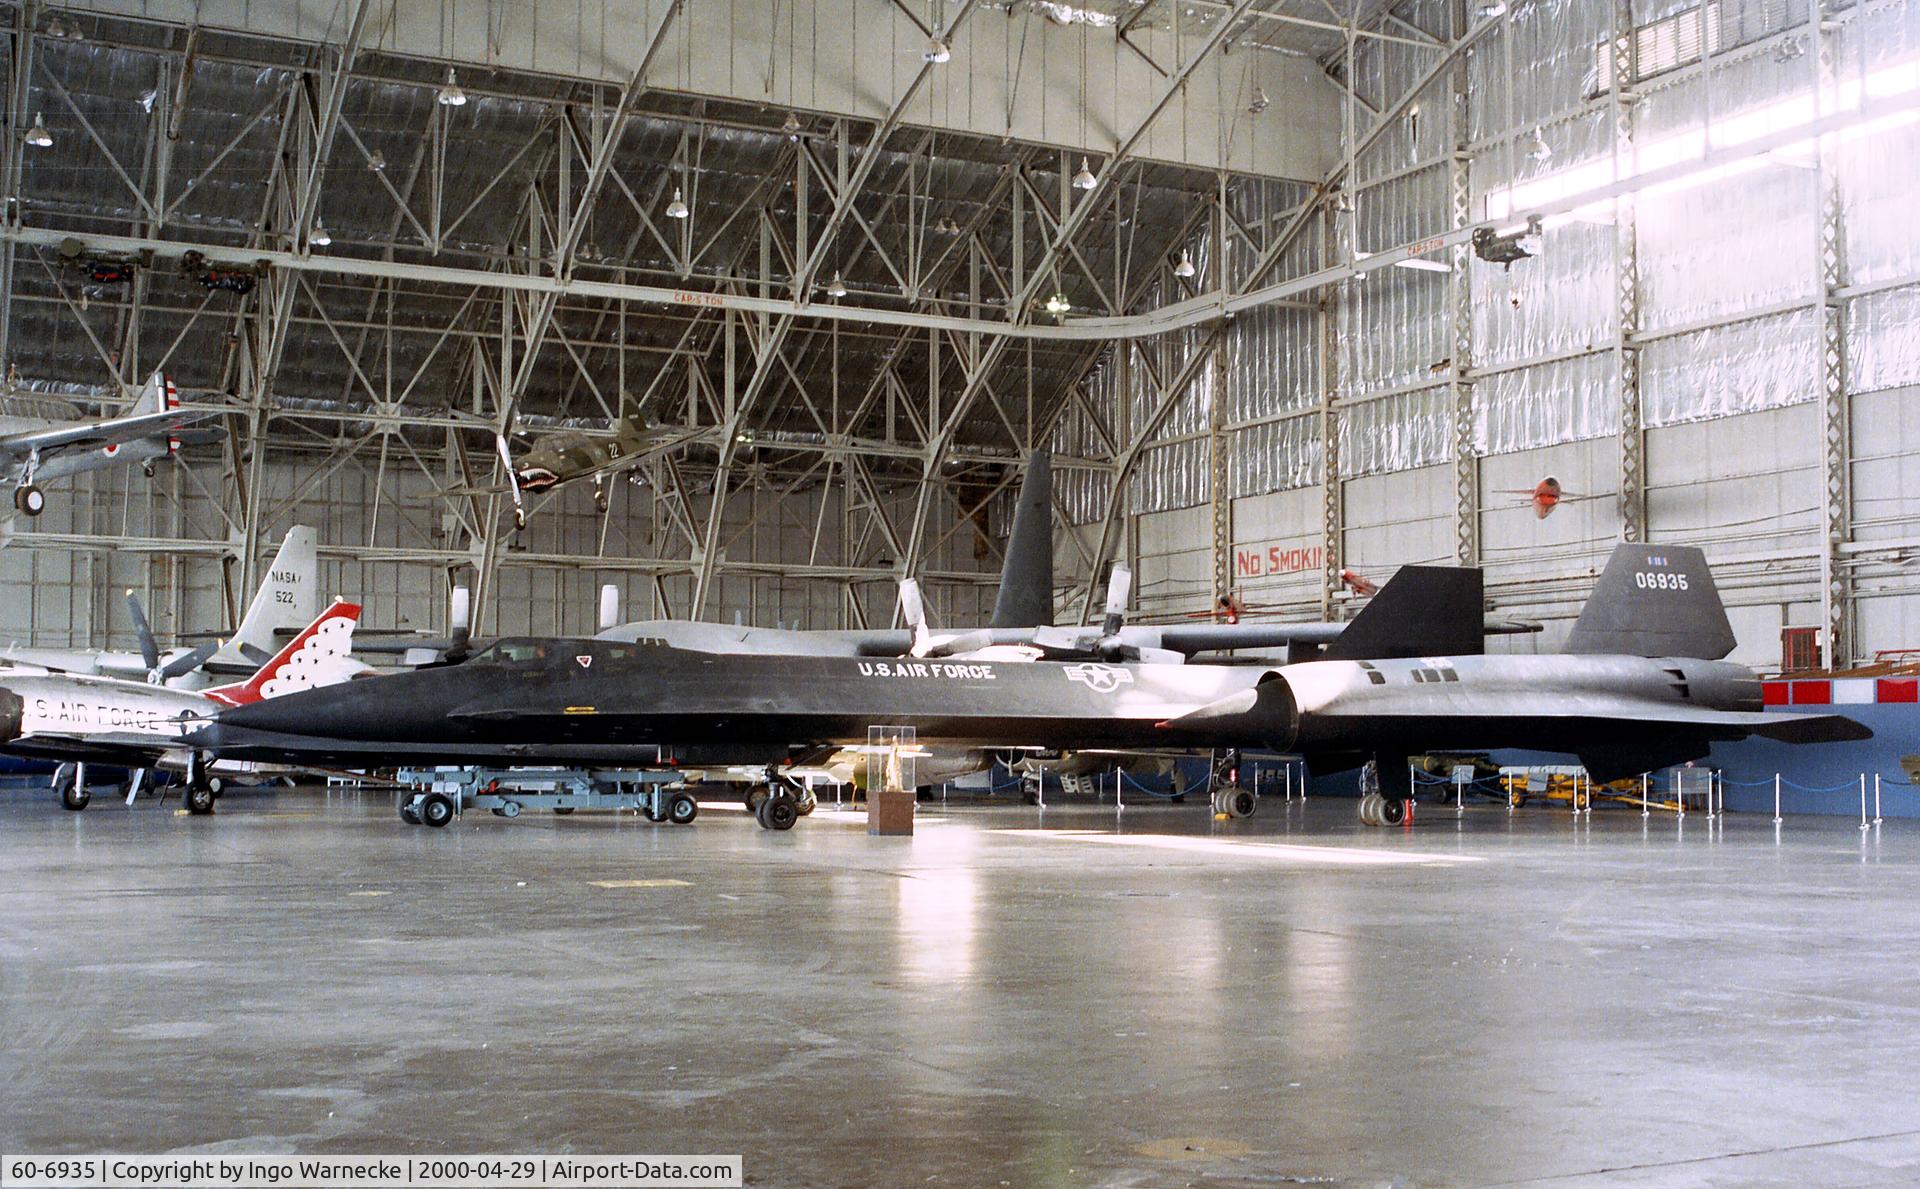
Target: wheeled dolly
{"type": "Point", "coordinates": [435, 796]}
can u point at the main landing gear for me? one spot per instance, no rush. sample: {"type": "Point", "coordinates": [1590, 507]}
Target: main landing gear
{"type": "Point", "coordinates": [1386, 793]}
{"type": "Point", "coordinates": [778, 804]}
{"type": "Point", "coordinates": [202, 789]}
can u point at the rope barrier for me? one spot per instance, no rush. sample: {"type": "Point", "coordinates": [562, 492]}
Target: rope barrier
{"type": "Point", "coordinates": [1138, 787]}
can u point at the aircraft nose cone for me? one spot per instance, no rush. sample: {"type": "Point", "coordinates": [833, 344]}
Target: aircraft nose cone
{"type": "Point", "coordinates": [12, 711]}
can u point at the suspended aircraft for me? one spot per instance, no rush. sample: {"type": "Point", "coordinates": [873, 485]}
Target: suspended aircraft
{"type": "Point", "coordinates": [564, 456]}
{"type": "Point", "coordinates": [35, 449]}
{"type": "Point", "coordinates": [1641, 687]}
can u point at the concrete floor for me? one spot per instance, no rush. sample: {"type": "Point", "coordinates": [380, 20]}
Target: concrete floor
{"type": "Point", "coordinates": [1004, 999]}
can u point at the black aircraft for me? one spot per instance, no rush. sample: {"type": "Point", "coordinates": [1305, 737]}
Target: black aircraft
{"type": "Point", "coordinates": [1640, 688]}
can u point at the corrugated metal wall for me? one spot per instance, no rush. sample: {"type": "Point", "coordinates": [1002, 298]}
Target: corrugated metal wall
{"type": "Point", "coordinates": [1728, 270]}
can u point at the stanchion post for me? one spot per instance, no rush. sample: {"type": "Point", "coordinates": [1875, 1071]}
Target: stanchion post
{"type": "Point", "coordinates": [1646, 809]}
{"type": "Point", "coordinates": [1863, 801]}
{"type": "Point", "coordinates": [1876, 798]}
{"type": "Point", "coordinates": [1776, 798]}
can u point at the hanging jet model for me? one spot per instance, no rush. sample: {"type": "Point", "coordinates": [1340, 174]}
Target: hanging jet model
{"type": "Point", "coordinates": [35, 449]}
{"type": "Point", "coordinates": [287, 600]}
{"type": "Point", "coordinates": [1641, 687]}
{"type": "Point", "coordinates": [136, 725]}
{"type": "Point", "coordinates": [570, 454]}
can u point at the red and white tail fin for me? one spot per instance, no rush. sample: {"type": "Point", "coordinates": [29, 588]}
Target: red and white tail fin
{"type": "Point", "coordinates": [313, 658]}
{"type": "Point", "coordinates": [159, 393]}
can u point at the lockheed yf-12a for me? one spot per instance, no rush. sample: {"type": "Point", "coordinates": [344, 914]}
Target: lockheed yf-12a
{"type": "Point", "coordinates": [1640, 687]}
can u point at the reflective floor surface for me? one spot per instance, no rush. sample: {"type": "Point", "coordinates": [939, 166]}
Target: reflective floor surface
{"type": "Point", "coordinates": [1013, 997]}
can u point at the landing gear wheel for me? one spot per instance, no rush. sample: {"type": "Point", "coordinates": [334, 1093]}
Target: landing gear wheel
{"type": "Point", "coordinates": [216, 786]}
{"type": "Point", "coordinates": [73, 797]}
{"type": "Point", "coordinates": [199, 799]}
{"type": "Point", "coordinates": [563, 810]}
{"type": "Point", "coordinates": [1394, 812]}
{"type": "Point", "coordinates": [756, 798]}
{"type": "Point", "coordinates": [510, 809]}
{"type": "Point", "coordinates": [436, 810]}
{"type": "Point", "coordinates": [519, 520]}
{"type": "Point", "coordinates": [600, 501]}
{"type": "Point", "coordinates": [30, 499]}
{"type": "Point", "coordinates": [409, 812]}
{"type": "Point", "coordinates": [654, 809]}
{"type": "Point", "coordinates": [682, 809]}
{"type": "Point", "coordinates": [779, 813]}
{"type": "Point", "coordinates": [146, 469]}
{"type": "Point", "coordinates": [1369, 809]}
{"type": "Point", "coordinates": [1238, 802]}
{"type": "Point", "coordinates": [806, 801]}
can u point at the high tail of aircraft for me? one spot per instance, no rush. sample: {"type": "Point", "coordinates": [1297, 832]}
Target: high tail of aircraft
{"type": "Point", "coordinates": [288, 599]}
{"type": "Point", "coordinates": [320, 655]}
{"type": "Point", "coordinates": [1026, 576]}
{"type": "Point", "coordinates": [1424, 611]}
{"type": "Point", "coordinates": [1654, 600]}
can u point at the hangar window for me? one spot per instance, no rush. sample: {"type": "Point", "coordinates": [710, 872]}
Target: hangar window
{"type": "Point", "coordinates": [1666, 44]}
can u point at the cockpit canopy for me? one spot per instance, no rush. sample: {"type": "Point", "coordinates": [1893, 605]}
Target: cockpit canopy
{"type": "Point", "coordinates": [541, 652]}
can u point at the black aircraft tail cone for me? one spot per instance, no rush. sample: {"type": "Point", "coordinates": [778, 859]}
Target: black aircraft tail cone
{"type": "Point", "coordinates": [1422, 611]}
{"type": "Point", "coordinates": [1654, 600]}
{"type": "Point", "coordinates": [1026, 579]}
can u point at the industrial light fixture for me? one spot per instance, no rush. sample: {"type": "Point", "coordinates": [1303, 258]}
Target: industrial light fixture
{"type": "Point", "coordinates": [319, 238]}
{"type": "Point", "coordinates": [148, 99]}
{"type": "Point", "coordinates": [1507, 245]}
{"type": "Point", "coordinates": [836, 287]}
{"type": "Point", "coordinates": [1184, 269]}
{"type": "Point", "coordinates": [1342, 203]}
{"type": "Point", "coordinates": [1084, 180]}
{"type": "Point", "coordinates": [38, 136]}
{"type": "Point", "coordinates": [1539, 150]}
{"type": "Point", "coordinates": [1259, 102]}
{"type": "Point", "coordinates": [938, 51]}
{"type": "Point", "coordinates": [1418, 264]}
{"type": "Point", "coordinates": [377, 161]}
{"type": "Point", "coordinates": [1492, 9]}
{"type": "Point", "coordinates": [1058, 305]}
{"type": "Point", "coordinates": [450, 93]}
{"type": "Point", "coordinates": [677, 209]}
{"type": "Point", "coordinates": [792, 126]}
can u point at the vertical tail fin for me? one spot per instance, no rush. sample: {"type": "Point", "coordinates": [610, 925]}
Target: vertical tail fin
{"type": "Point", "coordinates": [1026, 578]}
{"type": "Point", "coordinates": [288, 598]}
{"type": "Point", "coordinates": [312, 658]}
{"type": "Point", "coordinates": [1422, 611]}
{"type": "Point", "coordinates": [1654, 600]}
{"type": "Point", "coordinates": [157, 394]}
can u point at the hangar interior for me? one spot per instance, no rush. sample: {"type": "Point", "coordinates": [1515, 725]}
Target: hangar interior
{"type": "Point", "coordinates": [1294, 293]}
{"type": "Point", "coordinates": [1711, 344]}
